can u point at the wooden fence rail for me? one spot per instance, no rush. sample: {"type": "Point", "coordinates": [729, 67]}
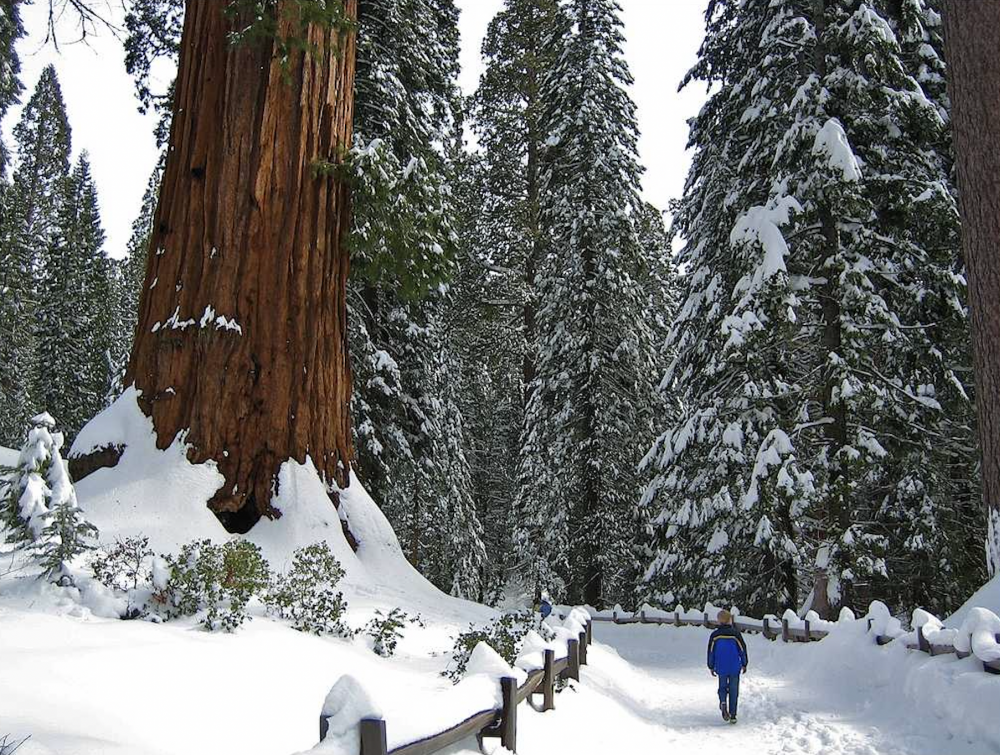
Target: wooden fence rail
{"type": "Point", "coordinates": [499, 723]}
{"type": "Point", "coordinates": [789, 633]}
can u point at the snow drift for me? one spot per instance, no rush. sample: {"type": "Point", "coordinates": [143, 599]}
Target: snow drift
{"type": "Point", "coordinates": [161, 495]}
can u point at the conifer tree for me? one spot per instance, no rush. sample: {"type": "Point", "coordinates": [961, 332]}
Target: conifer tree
{"type": "Point", "coordinates": [409, 428]}
{"type": "Point", "coordinates": [820, 348]}
{"type": "Point", "coordinates": [485, 321]}
{"type": "Point", "coordinates": [587, 415]}
{"type": "Point", "coordinates": [10, 67]}
{"type": "Point", "coordinates": [74, 319]}
{"type": "Point", "coordinates": [518, 52]}
{"type": "Point", "coordinates": [42, 141]}
{"type": "Point", "coordinates": [39, 507]}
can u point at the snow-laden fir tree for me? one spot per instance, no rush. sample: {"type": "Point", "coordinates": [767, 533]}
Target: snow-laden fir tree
{"type": "Point", "coordinates": [75, 311]}
{"type": "Point", "coordinates": [39, 506]}
{"type": "Point", "coordinates": [42, 146]}
{"type": "Point", "coordinates": [518, 51]}
{"type": "Point", "coordinates": [587, 421]}
{"type": "Point", "coordinates": [12, 276]}
{"type": "Point", "coordinates": [500, 244]}
{"type": "Point", "coordinates": [10, 66]}
{"type": "Point", "coordinates": [409, 430]}
{"type": "Point", "coordinates": [824, 445]}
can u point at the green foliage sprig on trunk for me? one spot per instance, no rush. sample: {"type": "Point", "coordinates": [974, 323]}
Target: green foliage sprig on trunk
{"type": "Point", "coordinates": [263, 21]}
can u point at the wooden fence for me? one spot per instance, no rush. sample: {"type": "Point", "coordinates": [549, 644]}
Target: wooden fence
{"type": "Point", "coordinates": [788, 633]}
{"type": "Point", "coordinates": [499, 723]}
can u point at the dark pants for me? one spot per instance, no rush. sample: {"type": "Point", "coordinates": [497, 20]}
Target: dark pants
{"type": "Point", "coordinates": [729, 687]}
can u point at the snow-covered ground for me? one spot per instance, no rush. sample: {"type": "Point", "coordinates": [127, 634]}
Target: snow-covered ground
{"type": "Point", "coordinates": [95, 686]}
{"type": "Point", "coordinates": [8, 457]}
{"type": "Point", "coordinates": [81, 682]}
{"type": "Point", "coordinates": [647, 688]}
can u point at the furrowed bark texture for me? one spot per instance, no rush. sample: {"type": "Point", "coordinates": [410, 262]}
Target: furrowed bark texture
{"type": "Point", "coordinates": [241, 344]}
{"type": "Point", "coordinates": [973, 51]}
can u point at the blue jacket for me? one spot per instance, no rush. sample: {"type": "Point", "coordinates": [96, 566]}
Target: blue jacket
{"type": "Point", "coordinates": [727, 653]}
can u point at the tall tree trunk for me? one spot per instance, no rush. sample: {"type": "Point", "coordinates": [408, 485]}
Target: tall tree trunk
{"type": "Point", "coordinates": [534, 252]}
{"type": "Point", "coordinates": [972, 39]}
{"type": "Point", "coordinates": [835, 430]}
{"type": "Point", "coordinates": [241, 343]}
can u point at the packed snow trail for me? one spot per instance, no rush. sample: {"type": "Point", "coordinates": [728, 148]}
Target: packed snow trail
{"type": "Point", "coordinates": [647, 689]}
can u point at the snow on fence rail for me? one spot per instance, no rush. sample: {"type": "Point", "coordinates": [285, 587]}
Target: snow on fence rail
{"type": "Point", "coordinates": [535, 674]}
{"type": "Point", "coordinates": [979, 634]}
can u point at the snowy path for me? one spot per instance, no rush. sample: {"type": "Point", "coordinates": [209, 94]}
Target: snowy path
{"type": "Point", "coordinates": [647, 689]}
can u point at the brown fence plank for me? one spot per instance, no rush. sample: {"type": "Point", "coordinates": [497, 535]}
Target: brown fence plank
{"type": "Point", "coordinates": [470, 727]}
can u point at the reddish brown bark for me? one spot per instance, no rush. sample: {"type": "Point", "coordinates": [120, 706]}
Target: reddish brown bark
{"type": "Point", "coordinates": [973, 51]}
{"type": "Point", "coordinates": [247, 227]}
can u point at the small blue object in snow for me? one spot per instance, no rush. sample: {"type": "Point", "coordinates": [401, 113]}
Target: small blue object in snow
{"type": "Point", "coordinates": [546, 608]}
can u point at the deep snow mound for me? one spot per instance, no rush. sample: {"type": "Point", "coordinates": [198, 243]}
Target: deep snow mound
{"type": "Point", "coordinates": [988, 596]}
{"type": "Point", "coordinates": [8, 457]}
{"type": "Point", "coordinates": [163, 496]}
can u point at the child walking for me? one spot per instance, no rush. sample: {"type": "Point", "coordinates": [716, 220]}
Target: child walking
{"type": "Point", "coordinates": [727, 659]}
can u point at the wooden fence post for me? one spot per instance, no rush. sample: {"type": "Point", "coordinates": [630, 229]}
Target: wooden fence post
{"type": "Point", "coordinates": [549, 682]}
{"type": "Point", "coordinates": [808, 632]}
{"type": "Point", "coordinates": [373, 739]}
{"type": "Point", "coordinates": [785, 634]}
{"type": "Point", "coordinates": [573, 652]}
{"type": "Point", "coordinates": [642, 616]}
{"type": "Point", "coordinates": [704, 620]}
{"type": "Point", "coordinates": [508, 715]}
{"type": "Point", "coordinates": [583, 648]}
{"type": "Point", "coordinates": [590, 632]}
{"type": "Point", "coordinates": [987, 666]}
{"type": "Point", "coordinates": [324, 727]}
{"type": "Point", "coordinates": [677, 618]}
{"type": "Point", "coordinates": [766, 630]}
{"type": "Point", "coordinates": [922, 644]}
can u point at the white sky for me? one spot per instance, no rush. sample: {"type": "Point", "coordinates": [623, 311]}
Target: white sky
{"type": "Point", "coordinates": [663, 39]}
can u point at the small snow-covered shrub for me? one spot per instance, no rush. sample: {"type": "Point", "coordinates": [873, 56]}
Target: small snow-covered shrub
{"type": "Point", "coordinates": [38, 508]}
{"type": "Point", "coordinates": [386, 630]}
{"type": "Point", "coordinates": [219, 580]}
{"type": "Point", "coordinates": [504, 634]}
{"type": "Point", "coordinates": [307, 594]}
{"type": "Point", "coordinates": [126, 567]}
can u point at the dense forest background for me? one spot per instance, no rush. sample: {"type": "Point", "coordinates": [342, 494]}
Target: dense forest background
{"type": "Point", "coordinates": [546, 396]}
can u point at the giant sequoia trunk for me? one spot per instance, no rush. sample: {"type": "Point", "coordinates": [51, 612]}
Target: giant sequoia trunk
{"type": "Point", "coordinates": [241, 344]}
{"type": "Point", "coordinates": [973, 41]}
